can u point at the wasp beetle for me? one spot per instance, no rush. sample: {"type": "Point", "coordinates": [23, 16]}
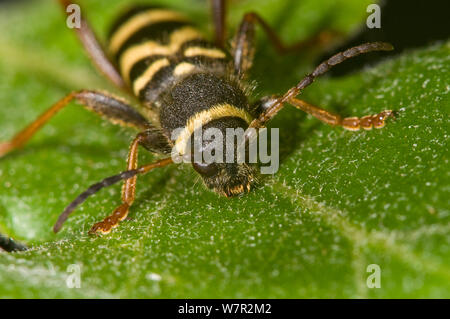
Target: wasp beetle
{"type": "Point", "coordinates": [180, 79]}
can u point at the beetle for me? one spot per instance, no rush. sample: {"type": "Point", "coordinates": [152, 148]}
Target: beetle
{"type": "Point", "coordinates": [182, 80]}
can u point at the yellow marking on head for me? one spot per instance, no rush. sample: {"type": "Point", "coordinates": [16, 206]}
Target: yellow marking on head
{"type": "Point", "coordinates": [146, 77]}
{"type": "Point", "coordinates": [140, 51]}
{"type": "Point", "coordinates": [137, 22]}
{"type": "Point", "coordinates": [210, 53]}
{"type": "Point", "coordinates": [183, 68]}
{"type": "Point", "coordinates": [201, 118]}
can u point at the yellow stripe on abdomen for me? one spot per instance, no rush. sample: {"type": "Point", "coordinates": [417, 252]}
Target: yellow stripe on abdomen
{"type": "Point", "coordinates": [137, 22]}
{"type": "Point", "coordinates": [206, 52]}
{"type": "Point", "coordinates": [183, 68]}
{"type": "Point", "coordinates": [150, 48]}
{"type": "Point", "coordinates": [147, 76]}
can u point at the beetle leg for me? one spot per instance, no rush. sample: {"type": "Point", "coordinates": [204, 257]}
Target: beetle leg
{"type": "Point", "coordinates": [114, 109]}
{"type": "Point", "coordinates": [105, 183]}
{"type": "Point", "coordinates": [243, 46]}
{"type": "Point", "coordinates": [349, 123]}
{"type": "Point", "coordinates": [128, 191]}
{"type": "Point", "coordinates": [219, 14]}
{"type": "Point", "coordinates": [272, 107]}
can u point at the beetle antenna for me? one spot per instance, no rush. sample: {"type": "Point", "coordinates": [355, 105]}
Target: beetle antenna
{"type": "Point", "coordinates": [278, 103]}
{"type": "Point", "coordinates": [9, 245]}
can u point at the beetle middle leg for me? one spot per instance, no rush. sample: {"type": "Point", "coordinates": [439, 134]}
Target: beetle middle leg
{"type": "Point", "coordinates": [114, 109]}
{"type": "Point", "coordinates": [105, 183]}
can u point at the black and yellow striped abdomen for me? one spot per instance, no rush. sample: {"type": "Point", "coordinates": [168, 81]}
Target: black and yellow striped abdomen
{"type": "Point", "coordinates": [155, 47]}
{"type": "Point", "coordinates": [175, 71]}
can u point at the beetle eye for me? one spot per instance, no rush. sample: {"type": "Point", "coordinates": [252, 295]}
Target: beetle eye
{"type": "Point", "coordinates": [205, 169]}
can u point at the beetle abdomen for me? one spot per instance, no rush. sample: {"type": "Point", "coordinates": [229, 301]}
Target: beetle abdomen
{"type": "Point", "coordinates": [154, 47]}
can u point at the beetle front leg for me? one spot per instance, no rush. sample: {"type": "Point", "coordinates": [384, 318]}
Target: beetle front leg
{"type": "Point", "coordinates": [128, 191]}
{"type": "Point", "coordinates": [273, 106]}
{"type": "Point", "coordinates": [219, 13]}
{"type": "Point", "coordinates": [352, 123]}
{"type": "Point", "coordinates": [349, 123]}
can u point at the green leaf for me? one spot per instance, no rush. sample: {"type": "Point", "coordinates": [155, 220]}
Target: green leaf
{"type": "Point", "coordinates": [340, 202]}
